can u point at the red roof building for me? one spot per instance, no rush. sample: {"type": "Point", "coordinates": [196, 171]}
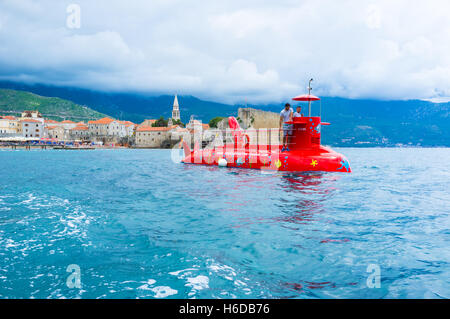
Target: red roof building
{"type": "Point", "coordinates": [103, 121]}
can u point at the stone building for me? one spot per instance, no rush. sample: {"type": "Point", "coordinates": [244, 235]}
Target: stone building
{"type": "Point", "coordinates": [157, 137]}
{"type": "Point", "coordinates": [107, 128]}
{"type": "Point", "coordinates": [180, 133]}
{"type": "Point", "coordinates": [148, 122]}
{"type": "Point", "coordinates": [31, 127]}
{"type": "Point", "coordinates": [196, 124]}
{"type": "Point", "coordinates": [175, 109]}
{"type": "Point", "coordinates": [80, 133]}
{"type": "Point", "coordinates": [67, 124]}
{"type": "Point", "coordinates": [10, 125]}
{"type": "Point", "coordinates": [32, 114]}
{"type": "Point", "coordinates": [52, 123]}
{"type": "Point", "coordinates": [57, 132]}
{"type": "Point", "coordinates": [197, 129]}
{"type": "Point", "coordinates": [175, 112]}
{"type": "Point", "coordinates": [129, 128]}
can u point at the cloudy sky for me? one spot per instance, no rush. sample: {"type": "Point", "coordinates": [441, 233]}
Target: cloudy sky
{"type": "Point", "coordinates": [231, 51]}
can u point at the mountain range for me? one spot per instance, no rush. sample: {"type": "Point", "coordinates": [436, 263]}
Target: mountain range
{"type": "Point", "coordinates": [353, 121]}
{"type": "Point", "coordinates": [13, 102]}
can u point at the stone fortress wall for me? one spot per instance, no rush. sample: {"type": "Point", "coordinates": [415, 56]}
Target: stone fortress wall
{"type": "Point", "coordinates": [253, 118]}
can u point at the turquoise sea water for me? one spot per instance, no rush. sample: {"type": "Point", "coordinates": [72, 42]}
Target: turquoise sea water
{"type": "Point", "coordinates": [141, 226]}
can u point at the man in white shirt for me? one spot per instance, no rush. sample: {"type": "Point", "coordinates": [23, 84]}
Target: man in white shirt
{"type": "Point", "coordinates": [299, 112]}
{"type": "Point", "coordinates": [286, 116]}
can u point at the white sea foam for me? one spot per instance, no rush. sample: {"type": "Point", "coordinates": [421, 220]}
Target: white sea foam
{"type": "Point", "coordinates": [163, 291]}
{"type": "Point", "coordinates": [144, 287]}
{"type": "Point", "coordinates": [224, 271]}
{"type": "Point", "coordinates": [178, 272]}
{"type": "Point", "coordinates": [75, 223]}
{"type": "Point", "coordinates": [198, 283]}
{"type": "Point", "coordinates": [147, 285]}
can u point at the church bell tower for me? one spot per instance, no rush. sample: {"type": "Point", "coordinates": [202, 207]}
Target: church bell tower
{"type": "Point", "coordinates": [175, 109]}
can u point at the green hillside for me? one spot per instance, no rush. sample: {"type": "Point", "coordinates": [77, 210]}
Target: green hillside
{"type": "Point", "coordinates": [13, 102]}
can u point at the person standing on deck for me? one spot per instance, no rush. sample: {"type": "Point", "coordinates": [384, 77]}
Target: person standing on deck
{"type": "Point", "coordinates": [286, 116]}
{"type": "Point", "coordinates": [299, 112]}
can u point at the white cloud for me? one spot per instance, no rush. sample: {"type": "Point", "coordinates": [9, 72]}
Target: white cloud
{"type": "Point", "coordinates": [259, 51]}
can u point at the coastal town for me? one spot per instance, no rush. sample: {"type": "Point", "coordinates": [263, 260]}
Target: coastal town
{"type": "Point", "coordinates": [32, 129]}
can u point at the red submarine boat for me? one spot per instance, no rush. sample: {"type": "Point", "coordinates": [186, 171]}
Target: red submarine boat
{"type": "Point", "coordinates": [305, 152]}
